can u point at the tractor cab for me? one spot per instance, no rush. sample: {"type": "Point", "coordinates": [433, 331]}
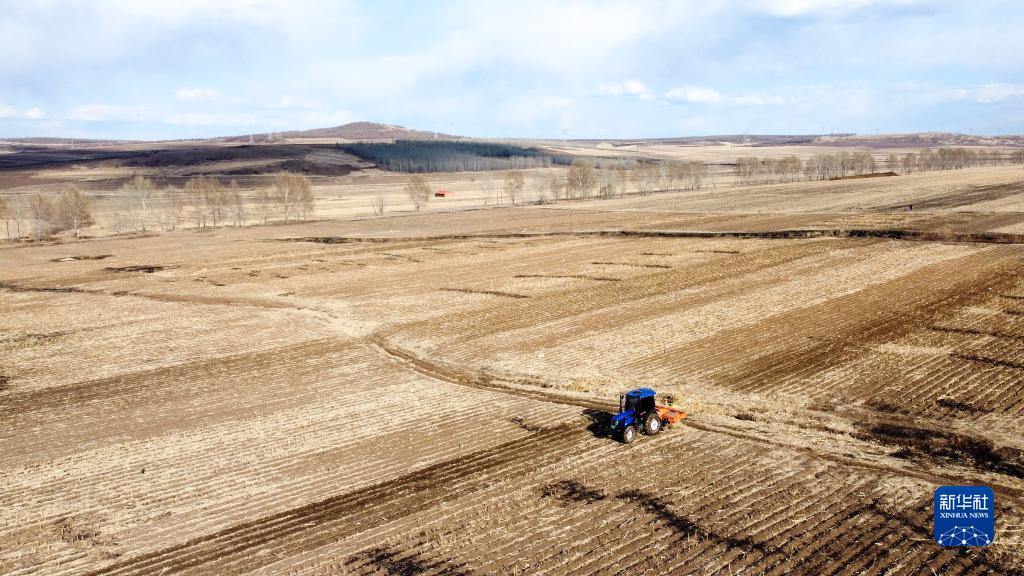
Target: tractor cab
{"type": "Point", "coordinates": [638, 412]}
{"type": "Point", "coordinates": [640, 400]}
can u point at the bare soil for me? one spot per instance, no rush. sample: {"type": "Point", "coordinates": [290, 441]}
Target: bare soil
{"type": "Point", "coordinates": [427, 393]}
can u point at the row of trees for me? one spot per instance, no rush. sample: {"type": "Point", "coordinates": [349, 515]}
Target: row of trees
{"type": "Point", "coordinates": [210, 203]}
{"type": "Point", "coordinates": [950, 159]}
{"type": "Point", "coordinates": [825, 166]}
{"type": "Point", "coordinates": [451, 156]}
{"type": "Point", "coordinates": [610, 180]}
{"type": "Point", "coordinates": [141, 206]}
{"type": "Point", "coordinates": [753, 170]}
{"type": "Point", "coordinates": [40, 216]}
{"type": "Point", "coordinates": [582, 180]}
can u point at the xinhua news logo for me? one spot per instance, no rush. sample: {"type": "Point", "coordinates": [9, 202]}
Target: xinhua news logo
{"type": "Point", "coordinates": [965, 515]}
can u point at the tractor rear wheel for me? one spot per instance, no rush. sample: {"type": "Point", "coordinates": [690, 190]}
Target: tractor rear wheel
{"type": "Point", "coordinates": [652, 424]}
{"type": "Point", "coordinates": [628, 434]}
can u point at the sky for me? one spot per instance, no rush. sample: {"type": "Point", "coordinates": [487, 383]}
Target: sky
{"type": "Point", "coordinates": [168, 69]}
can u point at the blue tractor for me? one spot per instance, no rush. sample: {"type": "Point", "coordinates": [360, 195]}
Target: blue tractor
{"type": "Point", "coordinates": [638, 412]}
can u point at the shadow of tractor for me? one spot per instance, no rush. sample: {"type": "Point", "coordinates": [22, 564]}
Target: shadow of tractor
{"type": "Point", "coordinates": [600, 421]}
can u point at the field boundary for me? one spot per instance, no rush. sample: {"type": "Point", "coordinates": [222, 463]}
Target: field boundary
{"type": "Point", "coordinates": [788, 234]}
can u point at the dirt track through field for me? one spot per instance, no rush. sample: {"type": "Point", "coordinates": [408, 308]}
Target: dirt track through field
{"type": "Point", "coordinates": [598, 411]}
{"type": "Point", "coordinates": [778, 234]}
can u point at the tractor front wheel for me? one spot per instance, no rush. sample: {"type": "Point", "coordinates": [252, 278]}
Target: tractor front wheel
{"type": "Point", "coordinates": [652, 424]}
{"type": "Point", "coordinates": [629, 434]}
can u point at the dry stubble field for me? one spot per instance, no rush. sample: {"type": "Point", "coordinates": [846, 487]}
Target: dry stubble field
{"type": "Point", "coordinates": [423, 393]}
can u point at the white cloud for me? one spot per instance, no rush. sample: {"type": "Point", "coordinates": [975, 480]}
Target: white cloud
{"type": "Point", "coordinates": [757, 100]}
{"type": "Point", "coordinates": [463, 60]}
{"type": "Point", "coordinates": [795, 8]}
{"type": "Point", "coordinates": [558, 102]}
{"type": "Point", "coordinates": [196, 94]}
{"type": "Point", "coordinates": [290, 103]}
{"type": "Point", "coordinates": [990, 93]}
{"type": "Point", "coordinates": [108, 113]}
{"type": "Point", "coordinates": [633, 88]}
{"type": "Point", "coordinates": [984, 94]}
{"type": "Point", "coordinates": [201, 119]}
{"type": "Point", "coordinates": [572, 38]}
{"type": "Point", "coordinates": [696, 95]}
{"type": "Point", "coordinates": [640, 90]}
{"type": "Point", "coordinates": [12, 112]}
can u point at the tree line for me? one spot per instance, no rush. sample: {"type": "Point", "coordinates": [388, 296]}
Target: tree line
{"type": "Point", "coordinates": [950, 159]}
{"type": "Point", "coordinates": [40, 216]}
{"type": "Point", "coordinates": [583, 179]}
{"type": "Point", "coordinates": [141, 205]}
{"type": "Point", "coordinates": [753, 170]}
{"type": "Point", "coordinates": [452, 156]}
{"type": "Point", "coordinates": [607, 179]}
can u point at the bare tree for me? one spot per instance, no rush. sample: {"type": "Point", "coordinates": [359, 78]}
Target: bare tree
{"type": "Point", "coordinates": [305, 201]}
{"type": "Point", "coordinates": [236, 203]}
{"type": "Point", "coordinates": [696, 171]}
{"type": "Point", "coordinates": [214, 198]}
{"type": "Point", "coordinates": [892, 162]}
{"type": "Point", "coordinates": [621, 178]}
{"type": "Point", "coordinates": [645, 176]}
{"type": "Point", "coordinates": [294, 193]}
{"type": "Point", "coordinates": [171, 204]}
{"type": "Point", "coordinates": [908, 162]}
{"type": "Point", "coordinates": [485, 191]}
{"type": "Point", "coordinates": [606, 183]}
{"type": "Point", "coordinates": [20, 210]}
{"type": "Point", "coordinates": [197, 191]}
{"type": "Point", "coordinates": [217, 198]}
{"type": "Point", "coordinates": [42, 213]}
{"type": "Point", "coordinates": [513, 185]}
{"type": "Point", "coordinates": [581, 179]}
{"type": "Point", "coordinates": [418, 190]}
{"type": "Point", "coordinates": [5, 214]}
{"type": "Point", "coordinates": [741, 171]}
{"type": "Point", "coordinates": [114, 216]}
{"type": "Point", "coordinates": [284, 194]}
{"type": "Point", "coordinates": [73, 209]}
{"type": "Point", "coordinates": [537, 186]}
{"type": "Point", "coordinates": [675, 173]}
{"type": "Point", "coordinates": [789, 168]}
{"type": "Point", "coordinates": [207, 198]}
{"type": "Point", "coordinates": [141, 189]}
{"type": "Point", "coordinates": [263, 200]}
{"type": "Point", "coordinates": [555, 186]}
{"type": "Point", "coordinates": [121, 214]}
{"type": "Point", "coordinates": [862, 163]}
{"type": "Point", "coordinates": [661, 177]}
{"type": "Point", "coordinates": [377, 203]}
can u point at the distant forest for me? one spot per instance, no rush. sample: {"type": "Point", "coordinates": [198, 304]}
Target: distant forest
{"type": "Point", "coordinates": [452, 156]}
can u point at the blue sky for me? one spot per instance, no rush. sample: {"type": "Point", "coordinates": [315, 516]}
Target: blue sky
{"type": "Point", "coordinates": [191, 68]}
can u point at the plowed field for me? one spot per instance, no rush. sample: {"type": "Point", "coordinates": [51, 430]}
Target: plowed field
{"type": "Point", "coordinates": [427, 394]}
